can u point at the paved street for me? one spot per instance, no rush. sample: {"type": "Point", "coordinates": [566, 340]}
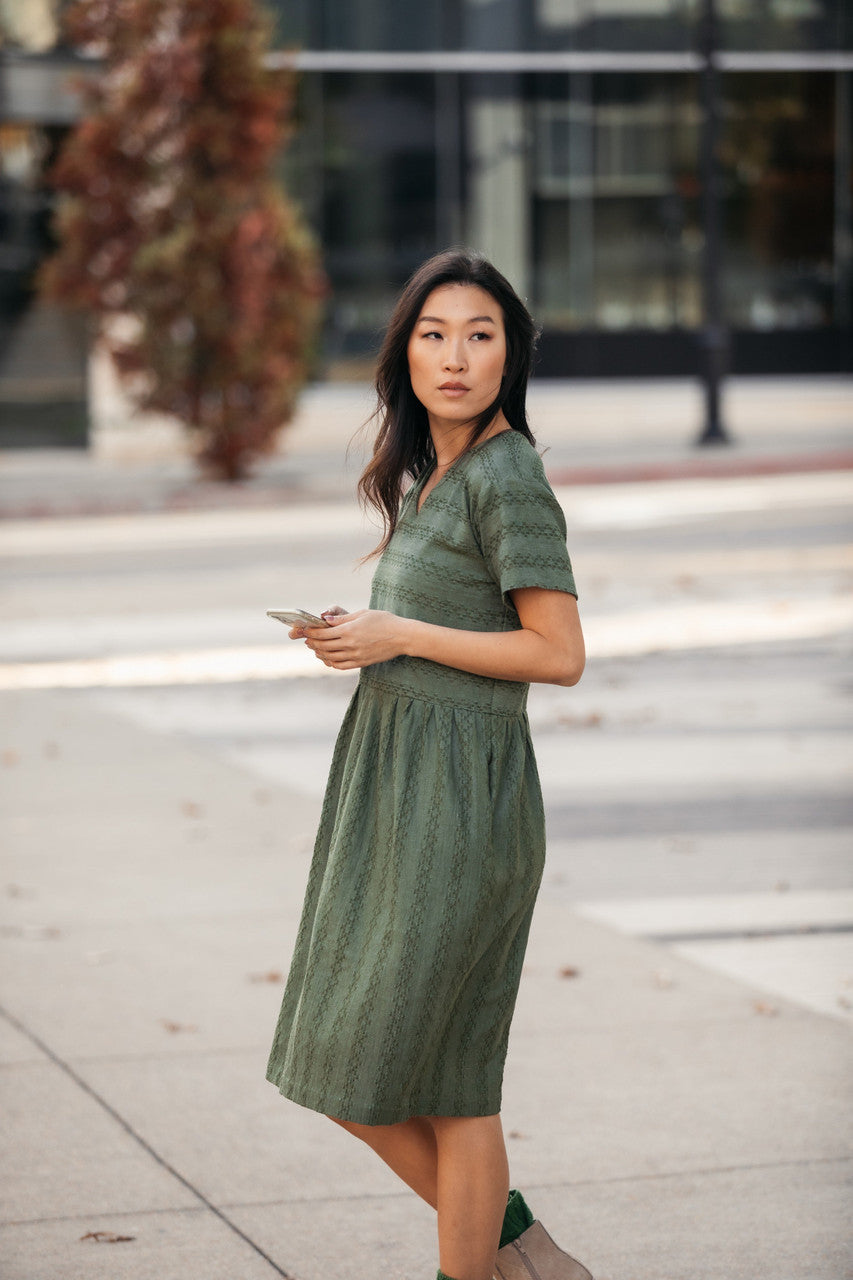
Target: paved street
{"type": "Point", "coordinates": [681, 1057]}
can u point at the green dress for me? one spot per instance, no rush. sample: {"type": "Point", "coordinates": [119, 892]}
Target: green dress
{"type": "Point", "coordinates": [431, 842]}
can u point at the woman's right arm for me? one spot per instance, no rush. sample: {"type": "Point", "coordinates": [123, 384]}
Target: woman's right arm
{"type": "Point", "coordinates": [547, 648]}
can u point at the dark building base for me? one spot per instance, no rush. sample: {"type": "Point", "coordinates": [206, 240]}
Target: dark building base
{"type": "Point", "coordinates": [60, 424]}
{"type": "Point", "coordinates": [640, 353]}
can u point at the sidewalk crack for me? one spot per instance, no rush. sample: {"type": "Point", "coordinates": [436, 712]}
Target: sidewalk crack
{"type": "Point", "coordinates": [139, 1140]}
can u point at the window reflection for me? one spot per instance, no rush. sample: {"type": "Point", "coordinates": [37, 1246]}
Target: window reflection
{"type": "Point", "coordinates": [785, 24]}
{"type": "Point", "coordinates": [615, 196]}
{"type": "Point", "coordinates": [584, 188]}
{"type": "Point", "coordinates": [622, 25]}
{"type": "Point", "coordinates": [364, 163]}
{"type": "Point", "coordinates": [777, 152]}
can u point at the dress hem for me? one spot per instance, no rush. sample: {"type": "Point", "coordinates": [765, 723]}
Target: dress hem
{"type": "Point", "coordinates": [370, 1114]}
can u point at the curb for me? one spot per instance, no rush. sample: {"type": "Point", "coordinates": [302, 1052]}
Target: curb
{"type": "Point", "coordinates": [705, 468]}
{"type": "Point", "coordinates": [260, 492]}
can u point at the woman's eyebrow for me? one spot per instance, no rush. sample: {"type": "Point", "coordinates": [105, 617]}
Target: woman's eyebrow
{"type": "Point", "coordinates": [473, 320]}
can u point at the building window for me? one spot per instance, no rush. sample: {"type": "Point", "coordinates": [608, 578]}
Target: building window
{"type": "Point", "coordinates": [615, 214]}
{"type": "Point", "coordinates": [779, 190]}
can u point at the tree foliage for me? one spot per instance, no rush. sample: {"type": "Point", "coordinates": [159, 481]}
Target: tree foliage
{"type": "Point", "coordinates": [173, 230]}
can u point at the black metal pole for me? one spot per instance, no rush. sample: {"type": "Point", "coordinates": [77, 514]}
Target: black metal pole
{"type": "Point", "coordinates": [844, 216]}
{"type": "Point", "coordinates": [713, 338]}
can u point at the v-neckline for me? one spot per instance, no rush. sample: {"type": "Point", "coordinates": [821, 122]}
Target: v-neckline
{"type": "Point", "coordinates": [422, 480]}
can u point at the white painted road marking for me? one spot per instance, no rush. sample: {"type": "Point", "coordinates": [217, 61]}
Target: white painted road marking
{"type": "Point", "coordinates": [669, 629]}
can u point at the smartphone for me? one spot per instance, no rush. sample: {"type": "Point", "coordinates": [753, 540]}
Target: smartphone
{"type": "Point", "coordinates": [297, 617]}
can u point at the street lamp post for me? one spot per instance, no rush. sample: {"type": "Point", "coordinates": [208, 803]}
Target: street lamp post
{"type": "Point", "coordinates": [713, 334]}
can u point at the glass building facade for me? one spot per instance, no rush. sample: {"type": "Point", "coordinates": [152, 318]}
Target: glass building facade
{"type": "Point", "coordinates": [563, 138]}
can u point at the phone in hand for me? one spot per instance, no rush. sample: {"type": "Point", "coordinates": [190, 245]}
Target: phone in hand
{"type": "Point", "coordinates": [297, 617]}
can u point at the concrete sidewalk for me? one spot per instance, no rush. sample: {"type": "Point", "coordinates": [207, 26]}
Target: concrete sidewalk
{"type": "Point", "coordinates": [592, 432]}
{"type": "Point", "coordinates": [667, 1123]}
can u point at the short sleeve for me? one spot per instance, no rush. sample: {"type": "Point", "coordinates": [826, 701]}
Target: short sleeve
{"type": "Point", "coordinates": [518, 522]}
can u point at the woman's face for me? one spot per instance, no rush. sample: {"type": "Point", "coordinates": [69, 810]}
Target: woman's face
{"type": "Point", "coordinates": [457, 353]}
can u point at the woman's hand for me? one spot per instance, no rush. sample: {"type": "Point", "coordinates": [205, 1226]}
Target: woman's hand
{"type": "Point", "coordinates": [336, 611]}
{"type": "Point", "coordinates": [357, 639]}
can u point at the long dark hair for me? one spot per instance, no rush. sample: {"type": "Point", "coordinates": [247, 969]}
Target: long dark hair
{"type": "Point", "coordinates": [403, 446]}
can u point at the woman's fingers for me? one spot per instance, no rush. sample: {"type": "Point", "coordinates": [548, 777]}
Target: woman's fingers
{"type": "Point", "coordinates": [334, 615]}
{"type": "Point", "coordinates": [338, 657]}
{"type": "Point", "coordinates": [355, 639]}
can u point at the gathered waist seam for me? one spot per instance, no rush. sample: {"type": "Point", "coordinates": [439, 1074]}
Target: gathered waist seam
{"type": "Point", "coordinates": [455, 704]}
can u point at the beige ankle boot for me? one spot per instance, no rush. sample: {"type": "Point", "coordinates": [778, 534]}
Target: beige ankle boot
{"type": "Point", "coordinates": [535, 1256]}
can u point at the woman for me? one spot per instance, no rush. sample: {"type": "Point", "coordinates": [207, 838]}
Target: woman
{"type": "Point", "coordinates": [429, 855]}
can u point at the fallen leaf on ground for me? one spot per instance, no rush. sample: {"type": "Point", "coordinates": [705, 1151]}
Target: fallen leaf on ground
{"type": "Point", "coordinates": [272, 976]}
{"type": "Point", "coordinates": [175, 1027]}
{"type": "Point", "coordinates": [569, 971]}
{"type": "Point", "coordinates": [593, 720]}
{"type": "Point", "coordinates": [663, 980]}
{"type": "Point", "coordinates": [41, 932]}
{"type": "Point", "coordinates": [766, 1009]}
{"type": "Point", "coordinates": [190, 809]}
{"type": "Point", "coordinates": [646, 715]}
{"type": "Point", "coordinates": [106, 1237]}
{"type": "Point", "coordinates": [516, 1134]}
{"type": "Point", "coordinates": [10, 758]}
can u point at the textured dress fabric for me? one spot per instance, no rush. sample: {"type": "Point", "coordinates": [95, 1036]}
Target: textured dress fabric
{"type": "Point", "coordinates": [431, 842]}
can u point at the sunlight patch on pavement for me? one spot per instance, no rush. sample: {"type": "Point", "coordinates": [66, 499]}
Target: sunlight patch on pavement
{"type": "Point", "coordinates": [190, 666]}
{"type": "Point", "coordinates": [642, 504]}
{"type": "Point", "coordinates": [651, 504]}
{"type": "Point", "coordinates": [702, 626]}
{"type": "Point", "coordinates": [796, 945]}
{"type": "Point", "coordinates": [724, 913]}
{"type": "Point", "coordinates": [698, 626]}
{"type": "Point", "coordinates": [814, 970]}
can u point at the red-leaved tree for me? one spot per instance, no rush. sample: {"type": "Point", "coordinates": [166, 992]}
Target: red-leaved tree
{"type": "Point", "coordinates": [172, 229]}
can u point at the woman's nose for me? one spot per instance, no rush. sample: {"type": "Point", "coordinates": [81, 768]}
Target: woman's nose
{"type": "Point", "coordinates": [454, 356]}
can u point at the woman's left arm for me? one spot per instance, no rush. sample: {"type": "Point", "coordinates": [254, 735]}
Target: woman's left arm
{"type": "Point", "coordinates": [548, 648]}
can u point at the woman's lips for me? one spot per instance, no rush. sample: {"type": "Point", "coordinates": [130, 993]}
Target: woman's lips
{"type": "Point", "coordinates": [453, 389]}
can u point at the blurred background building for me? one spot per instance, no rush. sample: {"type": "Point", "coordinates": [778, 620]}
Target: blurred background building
{"type": "Point", "coordinates": [560, 137]}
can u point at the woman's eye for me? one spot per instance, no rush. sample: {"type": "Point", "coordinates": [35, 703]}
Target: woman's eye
{"type": "Point", "coordinates": [484, 336]}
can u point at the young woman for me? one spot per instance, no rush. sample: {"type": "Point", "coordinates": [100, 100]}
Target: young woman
{"type": "Point", "coordinates": [430, 850]}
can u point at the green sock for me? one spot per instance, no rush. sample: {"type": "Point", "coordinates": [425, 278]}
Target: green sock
{"type": "Point", "coordinates": [442, 1276]}
{"type": "Point", "coordinates": [516, 1219]}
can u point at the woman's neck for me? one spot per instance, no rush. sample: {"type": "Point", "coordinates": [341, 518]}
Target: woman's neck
{"type": "Point", "coordinates": [450, 439]}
